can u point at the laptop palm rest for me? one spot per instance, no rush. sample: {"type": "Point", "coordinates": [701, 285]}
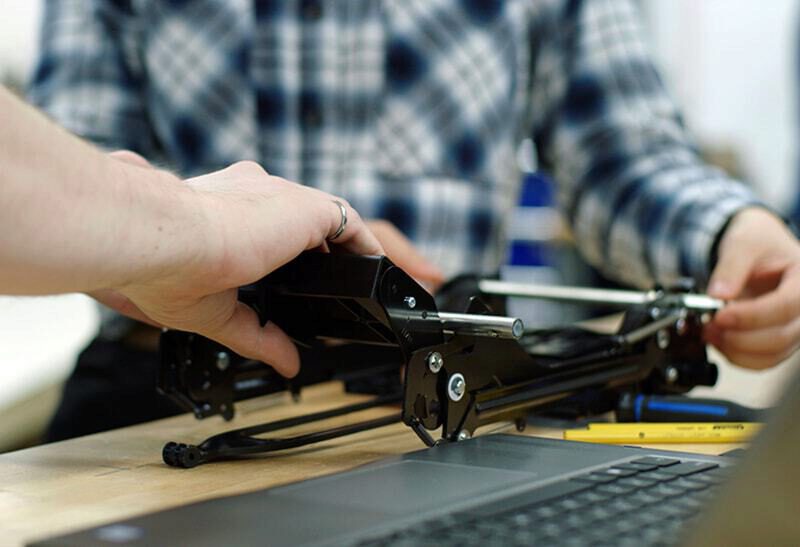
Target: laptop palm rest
{"type": "Point", "coordinates": [320, 510]}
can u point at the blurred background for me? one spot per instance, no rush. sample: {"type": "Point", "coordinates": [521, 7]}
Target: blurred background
{"type": "Point", "coordinates": [731, 65]}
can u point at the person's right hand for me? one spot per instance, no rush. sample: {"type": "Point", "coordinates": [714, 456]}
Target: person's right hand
{"type": "Point", "coordinates": [248, 224]}
{"type": "Point", "coordinates": [403, 253]}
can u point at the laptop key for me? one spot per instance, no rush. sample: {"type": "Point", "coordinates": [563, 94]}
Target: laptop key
{"type": "Point", "coordinates": [617, 472]}
{"type": "Point", "coordinates": [705, 478]}
{"type": "Point", "coordinates": [644, 497]}
{"type": "Point", "coordinates": [595, 478]}
{"type": "Point", "coordinates": [569, 504]}
{"type": "Point", "coordinates": [657, 461]}
{"type": "Point", "coordinates": [690, 502]}
{"type": "Point", "coordinates": [686, 484]}
{"type": "Point", "coordinates": [542, 494]}
{"type": "Point", "coordinates": [599, 513]}
{"type": "Point", "coordinates": [545, 512]}
{"type": "Point", "coordinates": [637, 482]}
{"type": "Point", "coordinates": [666, 491]}
{"type": "Point", "coordinates": [592, 496]}
{"type": "Point", "coordinates": [622, 505]}
{"type": "Point", "coordinates": [659, 476]}
{"type": "Point", "coordinates": [673, 510]}
{"type": "Point", "coordinates": [615, 489]}
{"type": "Point", "coordinates": [688, 468]}
{"type": "Point", "coordinates": [636, 466]}
{"type": "Point", "coordinates": [576, 520]}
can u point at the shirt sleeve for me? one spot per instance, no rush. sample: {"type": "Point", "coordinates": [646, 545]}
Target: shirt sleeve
{"type": "Point", "coordinates": [643, 206]}
{"type": "Point", "coordinates": [89, 77]}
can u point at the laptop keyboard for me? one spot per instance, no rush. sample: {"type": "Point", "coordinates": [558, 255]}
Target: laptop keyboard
{"type": "Point", "coordinates": [646, 501]}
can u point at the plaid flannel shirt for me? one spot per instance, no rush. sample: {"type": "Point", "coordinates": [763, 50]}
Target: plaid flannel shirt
{"type": "Point", "coordinates": [411, 109]}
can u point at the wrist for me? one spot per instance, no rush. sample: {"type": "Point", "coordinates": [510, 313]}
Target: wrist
{"type": "Point", "coordinates": [162, 229]}
{"type": "Point", "coordinates": [742, 221]}
{"type": "Point", "coordinates": [752, 223]}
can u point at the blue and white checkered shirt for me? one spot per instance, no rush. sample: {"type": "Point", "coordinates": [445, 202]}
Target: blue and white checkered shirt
{"type": "Point", "coordinates": [411, 109]}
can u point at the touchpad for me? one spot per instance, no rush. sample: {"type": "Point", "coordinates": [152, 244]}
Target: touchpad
{"type": "Point", "coordinates": [404, 487]}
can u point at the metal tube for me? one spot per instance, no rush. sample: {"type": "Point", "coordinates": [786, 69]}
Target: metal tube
{"type": "Point", "coordinates": [493, 326]}
{"type": "Point", "coordinates": [598, 296]}
{"type": "Point", "coordinates": [556, 292]}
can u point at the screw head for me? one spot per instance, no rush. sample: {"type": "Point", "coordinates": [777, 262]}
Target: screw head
{"type": "Point", "coordinates": [435, 361]}
{"type": "Point", "coordinates": [671, 375]}
{"type": "Point", "coordinates": [517, 329]}
{"type": "Point", "coordinates": [662, 339]}
{"type": "Point", "coordinates": [463, 435]}
{"type": "Point", "coordinates": [223, 360]}
{"type": "Point", "coordinates": [456, 387]}
{"type": "Point", "coordinates": [655, 313]}
{"type": "Point", "coordinates": [410, 301]}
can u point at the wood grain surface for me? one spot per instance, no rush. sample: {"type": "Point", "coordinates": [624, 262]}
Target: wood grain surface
{"type": "Point", "coordinates": [67, 486]}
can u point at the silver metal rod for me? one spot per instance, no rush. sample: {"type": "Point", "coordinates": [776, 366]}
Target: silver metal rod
{"type": "Point", "coordinates": [573, 294]}
{"type": "Point", "coordinates": [494, 326]}
{"type": "Point", "coordinates": [702, 302]}
{"type": "Point", "coordinates": [613, 297]}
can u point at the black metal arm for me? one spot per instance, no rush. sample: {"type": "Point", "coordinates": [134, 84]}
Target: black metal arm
{"type": "Point", "coordinates": [362, 318]}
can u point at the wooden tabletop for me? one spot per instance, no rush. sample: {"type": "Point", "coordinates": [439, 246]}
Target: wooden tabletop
{"type": "Point", "coordinates": [84, 482]}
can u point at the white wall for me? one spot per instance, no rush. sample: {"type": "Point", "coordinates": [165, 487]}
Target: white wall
{"type": "Point", "coordinates": [39, 337]}
{"type": "Point", "coordinates": [731, 65]}
{"type": "Point", "coordinates": [19, 30]}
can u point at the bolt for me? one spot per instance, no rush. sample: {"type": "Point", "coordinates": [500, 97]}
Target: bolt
{"type": "Point", "coordinates": [223, 360]}
{"type": "Point", "coordinates": [463, 435]}
{"type": "Point", "coordinates": [671, 375]}
{"type": "Point", "coordinates": [435, 361]}
{"type": "Point", "coordinates": [456, 387]}
{"type": "Point", "coordinates": [655, 313]}
{"type": "Point", "coordinates": [517, 329]}
{"type": "Point", "coordinates": [662, 338]}
{"type": "Point", "coordinates": [410, 301]}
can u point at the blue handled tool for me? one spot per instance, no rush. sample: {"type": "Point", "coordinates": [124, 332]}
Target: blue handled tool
{"type": "Point", "coordinates": [676, 408]}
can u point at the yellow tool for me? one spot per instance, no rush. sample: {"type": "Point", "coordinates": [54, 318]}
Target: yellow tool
{"type": "Point", "coordinates": [626, 433]}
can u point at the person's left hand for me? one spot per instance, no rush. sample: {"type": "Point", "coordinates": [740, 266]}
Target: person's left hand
{"type": "Point", "coordinates": [758, 272]}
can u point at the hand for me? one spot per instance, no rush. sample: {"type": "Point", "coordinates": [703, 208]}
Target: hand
{"type": "Point", "coordinates": [758, 272]}
{"type": "Point", "coordinates": [402, 252]}
{"type": "Point", "coordinates": [249, 224]}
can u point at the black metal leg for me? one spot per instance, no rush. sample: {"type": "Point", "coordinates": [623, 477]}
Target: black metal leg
{"type": "Point", "coordinates": [242, 442]}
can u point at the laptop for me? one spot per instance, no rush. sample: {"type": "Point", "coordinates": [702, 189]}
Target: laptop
{"type": "Point", "coordinates": [508, 490]}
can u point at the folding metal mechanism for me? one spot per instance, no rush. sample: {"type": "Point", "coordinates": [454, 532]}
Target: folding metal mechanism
{"type": "Point", "coordinates": [364, 320]}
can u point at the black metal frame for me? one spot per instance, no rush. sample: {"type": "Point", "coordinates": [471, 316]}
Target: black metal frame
{"type": "Point", "coordinates": [382, 322]}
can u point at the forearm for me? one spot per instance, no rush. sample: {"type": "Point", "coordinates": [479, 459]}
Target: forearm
{"type": "Point", "coordinates": [643, 205]}
{"type": "Point", "coordinates": [73, 219]}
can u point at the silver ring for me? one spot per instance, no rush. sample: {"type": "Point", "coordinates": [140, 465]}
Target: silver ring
{"type": "Point", "coordinates": [343, 223]}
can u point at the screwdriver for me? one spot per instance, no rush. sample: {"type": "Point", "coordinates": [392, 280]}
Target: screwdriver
{"type": "Point", "coordinates": [676, 408]}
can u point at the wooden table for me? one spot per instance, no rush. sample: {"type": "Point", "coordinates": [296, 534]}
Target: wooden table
{"type": "Point", "coordinates": [84, 482]}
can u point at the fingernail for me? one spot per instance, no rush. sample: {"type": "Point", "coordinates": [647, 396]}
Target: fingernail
{"type": "Point", "coordinates": [720, 289]}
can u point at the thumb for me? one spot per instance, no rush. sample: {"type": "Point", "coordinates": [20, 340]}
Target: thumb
{"type": "Point", "coordinates": [243, 334]}
{"type": "Point", "coordinates": [731, 274]}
